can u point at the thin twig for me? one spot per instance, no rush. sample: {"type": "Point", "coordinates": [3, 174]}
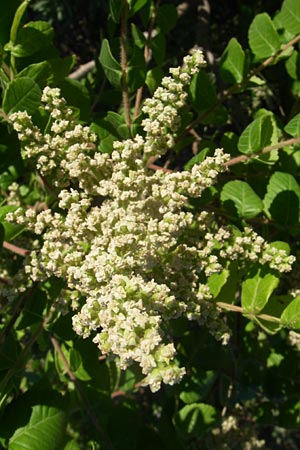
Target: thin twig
{"type": "Point", "coordinates": [269, 148]}
{"type": "Point", "coordinates": [15, 249]}
{"type": "Point", "coordinates": [84, 400]}
{"type": "Point", "coordinates": [147, 56]}
{"type": "Point", "coordinates": [82, 70]}
{"type": "Point", "coordinates": [235, 308]}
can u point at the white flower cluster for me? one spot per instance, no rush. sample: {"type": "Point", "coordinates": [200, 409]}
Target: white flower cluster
{"type": "Point", "coordinates": [132, 253]}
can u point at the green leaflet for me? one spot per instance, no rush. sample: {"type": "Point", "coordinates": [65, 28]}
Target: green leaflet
{"type": "Point", "coordinates": [292, 65]}
{"type": "Point", "coordinates": [263, 37]}
{"type": "Point", "coordinates": [256, 135]}
{"type": "Point", "coordinates": [293, 126]}
{"type": "Point", "coordinates": [22, 94]}
{"type": "Point", "coordinates": [290, 317]}
{"type": "Point", "coordinates": [290, 16]}
{"type": "Point", "coordinates": [246, 201]}
{"type": "Point", "coordinates": [282, 200]}
{"type": "Point", "coordinates": [232, 68]}
{"type": "Point", "coordinates": [195, 419]}
{"type": "Point", "coordinates": [111, 67]}
{"type": "Point", "coordinates": [256, 291]}
{"type": "Point", "coordinates": [45, 430]}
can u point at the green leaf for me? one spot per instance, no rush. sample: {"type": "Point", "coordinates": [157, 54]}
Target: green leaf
{"type": "Point", "coordinates": [216, 281]}
{"type": "Point", "coordinates": [45, 430]}
{"type": "Point", "coordinates": [293, 126]}
{"type": "Point", "coordinates": [290, 317]}
{"type": "Point", "coordinates": [138, 37]}
{"type": "Point", "coordinates": [33, 37]}
{"type": "Point", "coordinates": [232, 66]}
{"type": "Point", "coordinates": [282, 200]}
{"type": "Point", "coordinates": [274, 308]}
{"type": "Point", "coordinates": [257, 135]}
{"type": "Point", "coordinates": [33, 309]}
{"type": "Point", "coordinates": [292, 65]}
{"type": "Point", "coordinates": [290, 16]}
{"type": "Point", "coordinates": [153, 78]}
{"type": "Point", "coordinates": [136, 5]}
{"type": "Point", "coordinates": [111, 67]}
{"type": "Point", "coordinates": [195, 419]}
{"type": "Point", "coordinates": [203, 91]}
{"type": "Point", "coordinates": [12, 230]}
{"type": "Point", "coordinates": [197, 387]}
{"type": "Point", "coordinates": [72, 445]}
{"type": "Point", "coordinates": [8, 10]}
{"type": "Point", "coordinates": [40, 72]}
{"type": "Point", "coordinates": [17, 20]}
{"type": "Point", "coordinates": [77, 94]}
{"type": "Point", "coordinates": [256, 291]}
{"type": "Point", "coordinates": [263, 38]}
{"type": "Point", "coordinates": [136, 73]}
{"type": "Point", "coordinates": [22, 94]}
{"type": "Point", "coordinates": [247, 202]}
{"type": "Point", "coordinates": [60, 67]}
{"type": "Point", "coordinates": [167, 18]}
{"type": "Point", "coordinates": [158, 47]}
{"type": "Point", "coordinates": [115, 9]}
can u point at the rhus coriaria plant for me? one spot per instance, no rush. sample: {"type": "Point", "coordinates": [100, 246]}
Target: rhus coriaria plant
{"type": "Point", "coordinates": [150, 222]}
{"type": "Point", "coordinates": [141, 257]}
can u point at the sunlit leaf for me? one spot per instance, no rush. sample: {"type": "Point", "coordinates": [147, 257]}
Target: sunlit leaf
{"type": "Point", "coordinates": [247, 202]}
{"type": "Point", "coordinates": [290, 16]}
{"type": "Point", "coordinates": [263, 37]}
{"type": "Point", "coordinates": [290, 317]}
{"type": "Point", "coordinates": [256, 291]}
{"type": "Point", "coordinates": [22, 94]}
{"type": "Point", "coordinates": [111, 67]}
{"type": "Point", "coordinates": [45, 430]}
{"type": "Point", "coordinates": [293, 126]}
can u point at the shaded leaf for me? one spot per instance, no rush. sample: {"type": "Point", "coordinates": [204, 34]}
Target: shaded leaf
{"type": "Point", "coordinates": [153, 78]}
{"type": "Point", "coordinates": [136, 73]}
{"type": "Point", "coordinates": [138, 36]}
{"type": "Point", "coordinates": [232, 68]}
{"type": "Point", "coordinates": [196, 388]}
{"type": "Point", "coordinates": [167, 17]}
{"type": "Point", "coordinates": [111, 67]}
{"type": "Point", "coordinates": [282, 200]}
{"type": "Point", "coordinates": [115, 9]}
{"type": "Point", "coordinates": [136, 5]}
{"type": "Point", "coordinates": [158, 47]}
{"type": "Point", "coordinates": [195, 419]}
{"type": "Point", "coordinates": [263, 37]}
{"type": "Point", "coordinates": [33, 37]}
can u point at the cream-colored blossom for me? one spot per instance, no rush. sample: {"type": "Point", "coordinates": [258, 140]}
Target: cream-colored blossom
{"type": "Point", "coordinates": [124, 239]}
